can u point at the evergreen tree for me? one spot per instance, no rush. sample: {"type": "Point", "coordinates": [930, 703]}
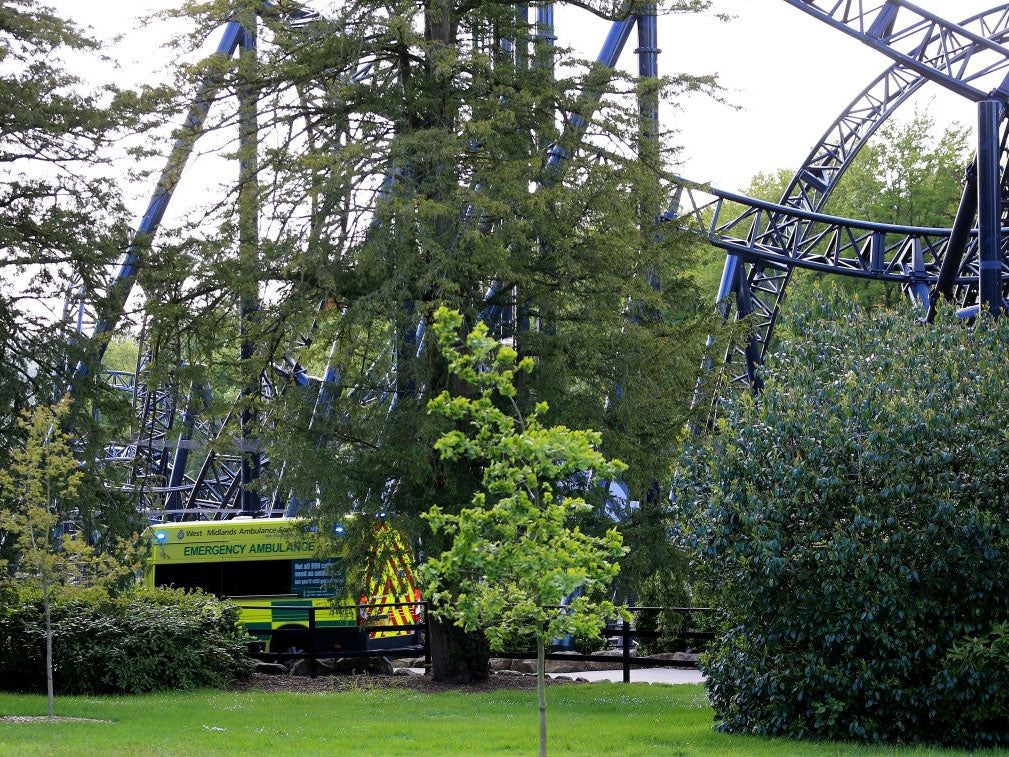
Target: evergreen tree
{"type": "Point", "coordinates": [61, 226]}
{"type": "Point", "coordinates": [405, 166]}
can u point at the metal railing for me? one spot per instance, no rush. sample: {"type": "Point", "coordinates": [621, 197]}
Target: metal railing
{"type": "Point", "coordinates": [311, 634]}
{"type": "Point", "coordinates": [688, 636]}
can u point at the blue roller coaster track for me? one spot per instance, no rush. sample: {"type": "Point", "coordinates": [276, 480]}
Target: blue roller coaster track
{"type": "Point", "coordinates": [763, 242]}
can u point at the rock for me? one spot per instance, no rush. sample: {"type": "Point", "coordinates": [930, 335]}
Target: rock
{"type": "Point", "coordinates": [683, 657]}
{"type": "Point", "coordinates": [616, 665]}
{"type": "Point", "coordinates": [353, 665]}
{"type": "Point", "coordinates": [270, 668]}
{"type": "Point", "coordinates": [565, 666]}
{"type": "Point", "coordinates": [344, 666]}
{"type": "Point", "coordinates": [509, 673]}
{"type": "Point", "coordinates": [524, 666]}
{"type": "Point", "coordinates": [500, 663]}
{"type": "Point", "coordinates": [405, 672]}
{"type": "Point", "coordinates": [302, 667]}
{"type": "Point", "coordinates": [409, 662]}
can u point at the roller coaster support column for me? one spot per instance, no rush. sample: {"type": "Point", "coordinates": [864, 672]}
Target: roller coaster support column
{"type": "Point", "coordinates": [989, 206]}
{"type": "Point", "coordinates": [649, 149]}
{"type": "Point", "coordinates": [648, 96]}
{"type": "Point", "coordinates": [192, 127]}
{"type": "Point", "coordinates": [963, 224]}
{"type": "Point", "coordinates": [248, 254]}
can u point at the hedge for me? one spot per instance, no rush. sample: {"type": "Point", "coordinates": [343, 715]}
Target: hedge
{"type": "Point", "coordinates": [854, 521]}
{"type": "Point", "coordinates": [140, 641]}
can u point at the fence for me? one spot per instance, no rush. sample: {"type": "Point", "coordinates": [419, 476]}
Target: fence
{"type": "Point", "coordinates": [310, 634]}
{"type": "Point", "coordinates": [627, 634]}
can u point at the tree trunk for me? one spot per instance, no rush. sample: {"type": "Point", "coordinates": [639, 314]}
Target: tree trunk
{"type": "Point", "coordinates": [457, 656]}
{"type": "Point", "coordinates": [49, 650]}
{"type": "Point", "coordinates": [541, 691]}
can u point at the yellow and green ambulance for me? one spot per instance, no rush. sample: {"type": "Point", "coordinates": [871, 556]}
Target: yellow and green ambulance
{"type": "Point", "coordinates": [272, 569]}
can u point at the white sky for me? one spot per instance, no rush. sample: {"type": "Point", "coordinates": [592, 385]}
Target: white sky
{"type": "Point", "coordinates": [788, 74]}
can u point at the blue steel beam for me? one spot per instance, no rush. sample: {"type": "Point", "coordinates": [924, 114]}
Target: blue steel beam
{"type": "Point", "coordinates": [938, 49]}
{"type": "Point", "coordinates": [829, 159]}
{"type": "Point", "coordinates": [989, 198]}
{"type": "Point", "coordinates": [126, 277]}
{"type": "Point", "coordinates": [959, 237]}
{"type": "Point", "coordinates": [782, 238]}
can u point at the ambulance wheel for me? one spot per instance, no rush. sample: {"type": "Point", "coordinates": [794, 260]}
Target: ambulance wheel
{"type": "Point", "coordinates": [290, 641]}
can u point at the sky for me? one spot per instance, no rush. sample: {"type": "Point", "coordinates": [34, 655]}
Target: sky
{"type": "Point", "coordinates": [786, 76]}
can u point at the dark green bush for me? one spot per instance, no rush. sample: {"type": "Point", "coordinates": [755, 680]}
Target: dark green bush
{"type": "Point", "coordinates": [854, 521]}
{"type": "Point", "coordinates": [140, 641]}
{"type": "Point", "coordinates": [975, 679]}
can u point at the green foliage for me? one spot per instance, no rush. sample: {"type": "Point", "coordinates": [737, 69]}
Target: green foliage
{"type": "Point", "coordinates": [664, 588]}
{"type": "Point", "coordinates": [975, 681]}
{"type": "Point", "coordinates": [464, 133]}
{"type": "Point", "coordinates": [60, 213]}
{"type": "Point", "coordinates": [139, 641]}
{"type": "Point", "coordinates": [513, 557]}
{"type": "Point", "coordinates": [38, 492]}
{"type": "Point", "coordinates": [852, 523]}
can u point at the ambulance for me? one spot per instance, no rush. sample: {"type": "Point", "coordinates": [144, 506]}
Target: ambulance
{"type": "Point", "coordinates": [272, 569]}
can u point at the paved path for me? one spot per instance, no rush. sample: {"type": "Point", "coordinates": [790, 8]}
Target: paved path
{"type": "Point", "coordinates": [639, 675]}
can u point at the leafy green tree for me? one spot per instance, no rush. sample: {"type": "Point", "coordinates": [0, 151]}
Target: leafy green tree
{"type": "Point", "coordinates": [425, 181]}
{"type": "Point", "coordinates": [62, 227]}
{"type": "Point", "coordinates": [910, 173]}
{"type": "Point", "coordinates": [38, 493]}
{"type": "Point", "coordinates": [515, 555]}
{"type": "Point", "coordinates": [852, 523]}
{"type": "Point", "coordinates": [60, 212]}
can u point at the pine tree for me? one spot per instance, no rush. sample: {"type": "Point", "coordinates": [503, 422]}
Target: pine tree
{"type": "Point", "coordinates": [405, 166]}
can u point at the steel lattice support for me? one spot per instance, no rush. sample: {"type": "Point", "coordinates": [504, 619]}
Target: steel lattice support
{"type": "Point", "coordinates": [765, 242]}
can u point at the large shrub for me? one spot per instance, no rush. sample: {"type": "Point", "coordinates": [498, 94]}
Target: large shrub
{"type": "Point", "coordinates": [853, 519]}
{"type": "Point", "coordinates": [140, 641]}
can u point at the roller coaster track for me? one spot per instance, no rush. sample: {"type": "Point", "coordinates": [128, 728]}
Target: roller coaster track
{"type": "Point", "coordinates": [927, 49]}
{"type": "Point", "coordinates": [764, 241]}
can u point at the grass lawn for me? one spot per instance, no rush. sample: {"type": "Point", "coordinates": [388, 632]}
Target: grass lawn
{"type": "Point", "coordinates": [590, 719]}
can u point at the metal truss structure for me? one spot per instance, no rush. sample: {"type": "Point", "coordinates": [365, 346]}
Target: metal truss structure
{"type": "Point", "coordinates": [764, 242]}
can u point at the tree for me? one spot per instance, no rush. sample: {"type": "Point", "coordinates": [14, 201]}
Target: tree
{"type": "Point", "coordinates": [62, 227]}
{"type": "Point", "coordinates": [851, 520]}
{"type": "Point", "coordinates": [38, 493]}
{"type": "Point", "coordinates": [515, 555]}
{"type": "Point", "coordinates": [59, 205]}
{"type": "Point", "coordinates": [407, 168]}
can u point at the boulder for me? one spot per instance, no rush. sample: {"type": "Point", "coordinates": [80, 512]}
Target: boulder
{"type": "Point", "coordinates": [524, 666]}
{"type": "Point", "coordinates": [681, 657]}
{"type": "Point", "coordinates": [409, 662]}
{"type": "Point", "coordinates": [270, 668]}
{"type": "Point", "coordinates": [565, 666]}
{"type": "Point", "coordinates": [344, 666]}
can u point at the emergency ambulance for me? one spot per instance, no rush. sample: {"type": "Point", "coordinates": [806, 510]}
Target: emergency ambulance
{"type": "Point", "coordinates": [271, 568]}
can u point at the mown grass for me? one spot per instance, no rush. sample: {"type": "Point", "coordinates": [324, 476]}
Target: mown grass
{"type": "Point", "coordinates": [591, 719]}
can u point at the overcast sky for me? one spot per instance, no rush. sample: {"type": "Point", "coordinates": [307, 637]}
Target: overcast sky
{"type": "Point", "coordinates": [788, 74]}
